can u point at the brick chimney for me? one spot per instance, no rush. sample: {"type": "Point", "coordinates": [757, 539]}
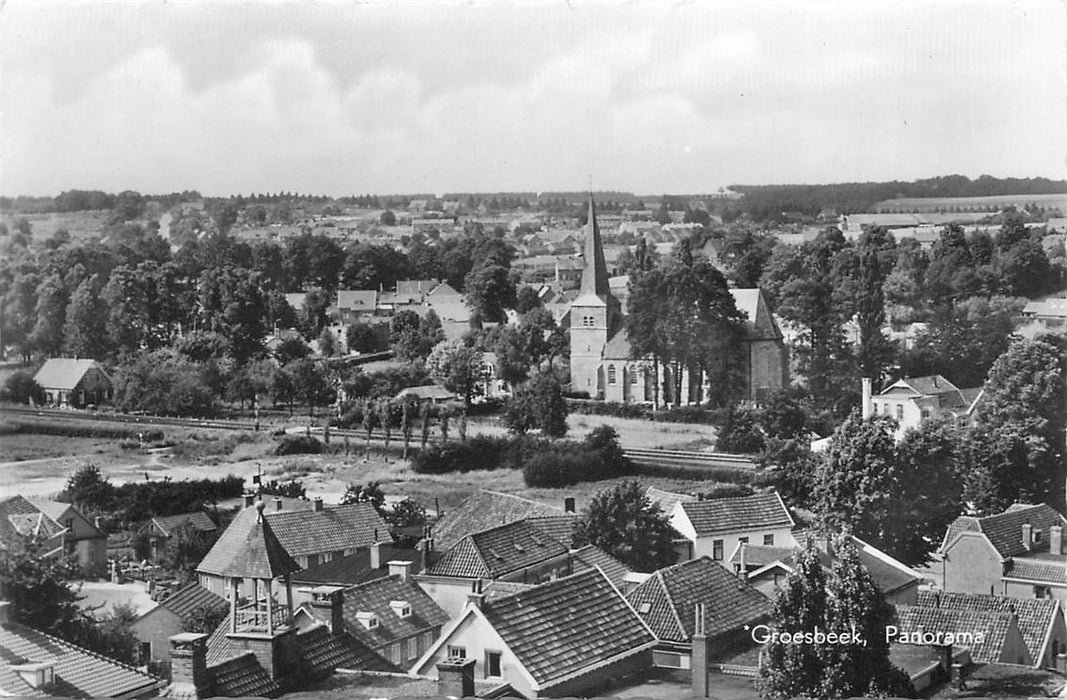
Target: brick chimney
{"type": "Point", "coordinates": [249, 499]}
{"type": "Point", "coordinates": [568, 504]}
{"type": "Point", "coordinates": [455, 678]}
{"type": "Point", "coordinates": [866, 407]}
{"type": "Point", "coordinates": [277, 503]}
{"type": "Point", "coordinates": [476, 597]}
{"type": "Point", "coordinates": [376, 556]}
{"type": "Point", "coordinates": [317, 503]}
{"type": "Point", "coordinates": [699, 654]}
{"type": "Point", "coordinates": [188, 666]}
{"type": "Point", "coordinates": [5, 613]}
{"type": "Point", "coordinates": [329, 603]}
{"type": "Point", "coordinates": [1055, 539]}
{"type": "Point", "coordinates": [1028, 537]}
{"type": "Point", "coordinates": [742, 571]}
{"type": "Point", "coordinates": [401, 568]}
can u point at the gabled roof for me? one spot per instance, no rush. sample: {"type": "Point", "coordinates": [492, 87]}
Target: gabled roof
{"type": "Point", "coordinates": [497, 551]}
{"type": "Point", "coordinates": [565, 626]}
{"type": "Point", "coordinates": [64, 373]}
{"type": "Point", "coordinates": [332, 529]}
{"type": "Point", "coordinates": [198, 520]}
{"type": "Point", "coordinates": [667, 500]}
{"type": "Point", "coordinates": [595, 274]}
{"type": "Point", "coordinates": [758, 326]}
{"type": "Point", "coordinates": [618, 346]}
{"type": "Point", "coordinates": [558, 527]}
{"type": "Point", "coordinates": [416, 287]}
{"type": "Point", "coordinates": [248, 548]}
{"type": "Point", "coordinates": [740, 514]}
{"type": "Point", "coordinates": [1039, 571]}
{"type": "Point", "coordinates": [1005, 530]}
{"type": "Point", "coordinates": [355, 568]}
{"type": "Point", "coordinates": [593, 557]}
{"type": "Point", "coordinates": [375, 596]}
{"type": "Point", "coordinates": [432, 392]}
{"type": "Point", "coordinates": [79, 673]}
{"type": "Point", "coordinates": [241, 676]}
{"type": "Point", "coordinates": [670, 594]}
{"type": "Point", "coordinates": [323, 652]}
{"type": "Point", "coordinates": [992, 628]}
{"type": "Point", "coordinates": [20, 519]}
{"type": "Point", "coordinates": [484, 509]}
{"type": "Point", "coordinates": [1034, 616]}
{"type": "Point", "coordinates": [357, 299]}
{"type": "Point", "coordinates": [188, 600]}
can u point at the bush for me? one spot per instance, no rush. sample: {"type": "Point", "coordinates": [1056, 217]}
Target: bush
{"type": "Point", "coordinates": [698, 415]}
{"type": "Point", "coordinates": [741, 432]}
{"type": "Point", "coordinates": [86, 429]}
{"type": "Point", "coordinates": [299, 445]}
{"type": "Point", "coordinates": [478, 454]}
{"type": "Point", "coordinates": [554, 469]}
{"type": "Point", "coordinates": [729, 491]}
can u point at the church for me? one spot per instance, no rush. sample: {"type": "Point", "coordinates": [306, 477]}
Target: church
{"type": "Point", "coordinates": [601, 365]}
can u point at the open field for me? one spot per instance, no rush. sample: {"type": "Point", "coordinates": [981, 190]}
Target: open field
{"type": "Point", "coordinates": [632, 432]}
{"type": "Point", "coordinates": [80, 224]}
{"type": "Point", "coordinates": [933, 204]}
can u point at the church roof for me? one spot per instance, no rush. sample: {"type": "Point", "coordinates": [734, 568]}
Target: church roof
{"type": "Point", "coordinates": [595, 275]}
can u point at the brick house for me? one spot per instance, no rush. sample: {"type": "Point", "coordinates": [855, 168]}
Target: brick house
{"type": "Point", "coordinates": [73, 382]}
{"type": "Point", "coordinates": [172, 616]}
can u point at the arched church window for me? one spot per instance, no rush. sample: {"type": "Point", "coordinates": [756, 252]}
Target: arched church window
{"type": "Point", "coordinates": [611, 374]}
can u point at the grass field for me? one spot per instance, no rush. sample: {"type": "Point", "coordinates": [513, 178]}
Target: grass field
{"type": "Point", "coordinates": [933, 204]}
{"type": "Point", "coordinates": [80, 224]}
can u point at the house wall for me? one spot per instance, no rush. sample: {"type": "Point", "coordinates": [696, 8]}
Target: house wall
{"type": "Point", "coordinates": [156, 627]}
{"type": "Point", "coordinates": [1032, 589]}
{"type": "Point", "coordinates": [908, 595]}
{"type": "Point", "coordinates": [450, 594]}
{"type": "Point", "coordinates": [601, 678]}
{"type": "Point", "coordinates": [971, 565]}
{"type": "Point", "coordinates": [1014, 650]}
{"type": "Point", "coordinates": [705, 546]}
{"type": "Point", "coordinates": [767, 368]}
{"type": "Point", "coordinates": [477, 637]}
{"type": "Point", "coordinates": [85, 542]}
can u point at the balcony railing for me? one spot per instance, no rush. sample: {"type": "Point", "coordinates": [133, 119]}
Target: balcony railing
{"type": "Point", "coordinates": [254, 617]}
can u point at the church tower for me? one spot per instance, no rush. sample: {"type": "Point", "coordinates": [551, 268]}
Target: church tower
{"type": "Point", "coordinates": [596, 314]}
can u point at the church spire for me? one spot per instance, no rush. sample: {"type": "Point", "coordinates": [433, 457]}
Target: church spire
{"type": "Point", "coordinates": [595, 274]}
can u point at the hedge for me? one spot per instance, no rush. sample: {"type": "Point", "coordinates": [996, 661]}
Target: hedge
{"type": "Point", "coordinates": [680, 414]}
{"type": "Point", "coordinates": [79, 430]}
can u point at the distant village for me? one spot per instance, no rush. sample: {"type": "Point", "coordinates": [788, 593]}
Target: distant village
{"type": "Point", "coordinates": [712, 425]}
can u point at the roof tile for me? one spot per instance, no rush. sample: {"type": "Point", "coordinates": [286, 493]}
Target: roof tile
{"type": "Point", "coordinates": [720, 515]}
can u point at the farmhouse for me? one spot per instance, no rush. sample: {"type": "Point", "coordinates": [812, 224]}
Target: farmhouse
{"type": "Point", "coordinates": [73, 382]}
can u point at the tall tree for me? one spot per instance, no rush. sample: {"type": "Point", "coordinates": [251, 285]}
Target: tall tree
{"type": "Point", "coordinates": [52, 300]}
{"type": "Point", "coordinates": [457, 367]}
{"type": "Point", "coordinates": [85, 335]}
{"type": "Point", "coordinates": [626, 525]}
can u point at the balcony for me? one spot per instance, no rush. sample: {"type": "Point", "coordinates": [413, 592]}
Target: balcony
{"type": "Point", "coordinates": [261, 617]}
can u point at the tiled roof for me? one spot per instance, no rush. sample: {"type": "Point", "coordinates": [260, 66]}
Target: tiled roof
{"type": "Point", "coordinates": [485, 509]}
{"type": "Point", "coordinates": [357, 299]}
{"type": "Point", "coordinates": [720, 515]}
{"type": "Point", "coordinates": [248, 548]}
{"type": "Point", "coordinates": [558, 527]}
{"type": "Point", "coordinates": [355, 568]}
{"type": "Point", "coordinates": [1037, 570]}
{"type": "Point", "coordinates": [1005, 530]}
{"type": "Point", "coordinates": [591, 557]}
{"type": "Point", "coordinates": [1035, 616]}
{"type": "Point", "coordinates": [431, 392]}
{"type": "Point", "coordinates": [198, 520]}
{"type": "Point", "coordinates": [337, 528]}
{"type": "Point", "coordinates": [992, 627]}
{"type": "Point", "coordinates": [324, 652]}
{"type": "Point", "coordinates": [670, 594]}
{"type": "Point", "coordinates": [498, 551]}
{"type": "Point", "coordinates": [192, 598]}
{"type": "Point", "coordinates": [618, 346]}
{"type": "Point", "coordinates": [667, 500]}
{"type": "Point", "coordinates": [241, 676]}
{"type": "Point", "coordinates": [19, 519]}
{"type": "Point", "coordinates": [62, 372]}
{"type": "Point", "coordinates": [566, 625]}
{"type": "Point", "coordinates": [502, 589]}
{"type": "Point", "coordinates": [79, 672]}
{"type": "Point", "coordinates": [925, 386]}
{"type": "Point", "coordinates": [375, 596]}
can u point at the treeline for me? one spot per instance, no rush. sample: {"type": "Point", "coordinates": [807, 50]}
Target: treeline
{"type": "Point", "coordinates": [777, 202]}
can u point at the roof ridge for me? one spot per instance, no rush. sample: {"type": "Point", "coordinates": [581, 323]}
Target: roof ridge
{"type": "Point", "coordinates": [670, 600]}
{"type": "Point", "coordinates": [520, 498]}
{"type": "Point", "coordinates": [90, 652]}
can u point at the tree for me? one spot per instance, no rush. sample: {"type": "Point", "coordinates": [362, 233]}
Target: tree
{"type": "Point", "coordinates": [626, 525]}
{"type": "Point", "coordinates": [539, 404]}
{"type": "Point", "coordinates": [328, 343]}
{"type": "Point", "coordinates": [855, 477]}
{"type": "Point", "coordinates": [526, 299]}
{"type": "Point", "coordinates": [21, 387]}
{"type": "Point", "coordinates": [371, 492]}
{"type": "Point", "coordinates": [311, 384]}
{"type": "Point", "coordinates": [490, 291]}
{"type": "Point", "coordinates": [290, 350]}
{"type": "Point", "coordinates": [846, 601]}
{"type": "Point", "coordinates": [165, 383]}
{"type": "Point", "coordinates": [85, 335]}
{"type": "Point", "coordinates": [408, 406]}
{"type": "Point", "coordinates": [456, 367]}
{"type": "Point", "coordinates": [414, 337]}
{"type": "Point", "coordinates": [51, 315]}
{"type": "Point", "coordinates": [37, 587]}
{"type": "Point", "coordinates": [388, 218]}
{"type": "Point", "coordinates": [361, 337]}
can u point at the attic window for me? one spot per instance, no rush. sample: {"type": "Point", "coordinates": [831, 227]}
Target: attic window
{"type": "Point", "coordinates": [519, 547]}
{"type": "Point", "coordinates": [1037, 535]}
{"type": "Point", "coordinates": [401, 608]}
{"type": "Point", "coordinates": [368, 619]}
{"type": "Point", "coordinates": [495, 554]}
{"type": "Point", "coordinates": [537, 540]}
{"type": "Point", "coordinates": [644, 608]}
{"type": "Point", "coordinates": [37, 675]}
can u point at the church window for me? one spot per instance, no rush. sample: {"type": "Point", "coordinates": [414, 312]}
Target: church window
{"type": "Point", "coordinates": [633, 376]}
{"type": "Point", "coordinates": [611, 374]}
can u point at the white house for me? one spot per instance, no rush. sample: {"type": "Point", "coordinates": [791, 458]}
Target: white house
{"type": "Point", "coordinates": [716, 526]}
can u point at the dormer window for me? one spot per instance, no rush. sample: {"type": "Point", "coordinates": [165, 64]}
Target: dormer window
{"type": "Point", "coordinates": [368, 619]}
{"type": "Point", "coordinates": [644, 608]}
{"type": "Point", "coordinates": [37, 675]}
{"type": "Point", "coordinates": [401, 608]}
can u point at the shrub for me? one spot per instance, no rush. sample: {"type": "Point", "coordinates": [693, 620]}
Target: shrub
{"type": "Point", "coordinates": [554, 469]}
{"type": "Point", "coordinates": [86, 429]}
{"type": "Point", "coordinates": [299, 445]}
{"type": "Point", "coordinates": [478, 454]}
{"type": "Point", "coordinates": [741, 432]}
{"type": "Point", "coordinates": [729, 491]}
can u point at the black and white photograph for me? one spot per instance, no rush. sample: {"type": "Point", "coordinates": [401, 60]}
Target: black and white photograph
{"type": "Point", "coordinates": [384, 349]}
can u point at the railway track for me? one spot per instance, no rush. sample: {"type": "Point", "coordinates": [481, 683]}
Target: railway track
{"type": "Point", "coordinates": [689, 459]}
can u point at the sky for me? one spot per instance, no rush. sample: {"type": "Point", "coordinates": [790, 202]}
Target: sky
{"type": "Point", "coordinates": [345, 98]}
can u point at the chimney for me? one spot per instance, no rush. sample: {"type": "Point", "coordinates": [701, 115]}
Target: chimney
{"type": "Point", "coordinates": [5, 613]}
{"type": "Point", "coordinates": [866, 408]}
{"type": "Point", "coordinates": [277, 503]}
{"type": "Point", "coordinates": [568, 504]}
{"type": "Point", "coordinates": [318, 503]}
{"type": "Point", "coordinates": [476, 597]}
{"type": "Point", "coordinates": [1028, 537]}
{"type": "Point", "coordinates": [455, 678]}
{"type": "Point", "coordinates": [1055, 539]}
{"type": "Point", "coordinates": [699, 655]}
{"type": "Point", "coordinates": [329, 602]}
{"type": "Point", "coordinates": [401, 568]}
{"type": "Point", "coordinates": [98, 522]}
{"type": "Point", "coordinates": [376, 556]}
{"type": "Point", "coordinates": [249, 499]}
{"type": "Point", "coordinates": [742, 573]}
{"type": "Point", "coordinates": [188, 665]}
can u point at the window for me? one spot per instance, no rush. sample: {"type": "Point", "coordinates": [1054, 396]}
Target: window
{"type": "Point", "coordinates": [413, 648]}
{"type": "Point", "coordinates": [633, 376]}
{"type": "Point", "coordinates": [611, 374]}
{"type": "Point", "coordinates": [742, 540]}
{"type": "Point", "coordinates": [394, 653]}
{"type": "Point", "coordinates": [716, 550]}
{"type": "Point", "coordinates": [926, 414]}
{"type": "Point", "coordinates": [146, 652]}
{"type": "Point", "coordinates": [643, 608]}
{"type": "Point", "coordinates": [900, 411]}
{"type": "Point", "coordinates": [457, 652]}
{"type": "Point", "coordinates": [492, 664]}
{"type": "Point", "coordinates": [427, 640]}
{"type": "Point", "coordinates": [768, 540]}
